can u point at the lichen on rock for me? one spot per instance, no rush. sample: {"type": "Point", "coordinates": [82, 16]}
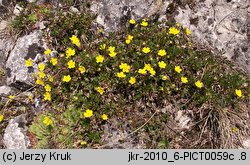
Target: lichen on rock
{"type": "Point", "coordinates": [29, 46]}
{"type": "Point", "coordinates": [15, 134]}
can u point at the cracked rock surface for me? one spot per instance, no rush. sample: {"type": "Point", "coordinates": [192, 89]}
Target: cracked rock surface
{"type": "Point", "coordinates": [223, 25]}
{"type": "Point", "coordinates": [15, 134]}
{"type": "Point", "coordinates": [246, 143]}
{"type": "Point", "coordinates": [114, 14]}
{"type": "Point", "coordinates": [29, 46]}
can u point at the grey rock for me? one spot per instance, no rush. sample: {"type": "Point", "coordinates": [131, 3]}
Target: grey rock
{"type": "Point", "coordinates": [41, 25]}
{"type": "Point", "coordinates": [17, 10]}
{"type": "Point", "coordinates": [5, 90]}
{"type": "Point", "coordinates": [15, 134]}
{"type": "Point", "coordinates": [183, 120]}
{"type": "Point", "coordinates": [222, 26]}
{"type": "Point", "coordinates": [3, 25]}
{"type": "Point", "coordinates": [114, 14]}
{"type": "Point", "coordinates": [29, 46]}
{"type": "Point", "coordinates": [246, 143]}
{"type": "Point", "coordinates": [114, 138]}
{"type": "Point", "coordinates": [31, 1]}
{"type": "Point", "coordinates": [6, 45]}
{"type": "Point", "coordinates": [37, 1]}
{"type": "Point", "coordinates": [74, 10]}
{"type": "Point", "coordinates": [4, 8]}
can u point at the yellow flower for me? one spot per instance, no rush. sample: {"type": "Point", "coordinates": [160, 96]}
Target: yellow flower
{"type": "Point", "coordinates": [142, 71]}
{"type": "Point", "coordinates": [144, 23]}
{"type": "Point", "coordinates": [47, 88]}
{"type": "Point", "coordinates": [111, 49]}
{"type": "Point", "coordinates": [173, 31]}
{"type": "Point", "coordinates": [198, 84]}
{"type": "Point", "coordinates": [47, 121]}
{"type": "Point", "coordinates": [162, 64]}
{"type": "Point", "coordinates": [83, 142]}
{"type": "Point", "coordinates": [66, 78]}
{"type": "Point", "coordinates": [100, 90]}
{"type": "Point", "coordinates": [238, 92]}
{"type": "Point", "coordinates": [147, 67]}
{"type": "Point", "coordinates": [128, 41]}
{"type": "Point", "coordinates": [99, 59]}
{"type": "Point", "coordinates": [188, 32]}
{"type": "Point", "coordinates": [132, 80]}
{"type": "Point", "coordinates": [47, 96]}
{"type": "Point", "coordinates": [130, 37]}
{"type": "Point", "coordinates": [112, 54]}
{"type": "Point", "coordinates": [100, 30]}
{"type": "Point", "coordinates": [132, 21]}
{"type": "Point", "coordinates": [146, 50]}
{"type": "Point", "coordinates": [11, 97]}
{"type": "Point", "coordinates": [30, 97]}
{"type": "Point", "coordinates": [103, 47]}
{"type": "Point", "coordinates": [88, 113]}
{"type": "Point", "coordinates": [235, 129]}
{"type": "Point", "coordinates": [164, 78]}
{"type": "Point", "coordinates": [178, 69]}
{"type": "Point", "coordinates": [184, 80]}
{"type": "Point", "coordinates": [178, 24]}
{"type": "Point", "coordinates": [47, 51]}
{"type": "Point", "coordinates": [41, 75]}
{"type": "Point", "coordinates": [121, 75]}
{"type": "Point", "coordinates": [70, 52]}
{"type": "Point", "coordinates": [82, 69]}
{"type": "Point", "coordinates": [53, 61]}
{"type": "Point", "coordinates": [152, 72]}
{"type": "Point", "coordinates": [125, 67]}
{"type": "Point", "coordinates": [104, 117]}
{"type": "Point", "coordinates": [51, 79]}
{"type": "Point", "coordinates": [162, 52]}
{"type": "Point", "coordinates": [39, 81]}
{"type": "Point", "coordinates": [41, 67]}
{"type": "Point", "coordinates": [75, 40]}
{"type": "Point", "coordinates": [1, 118]}
{"type": "Point", "coordinates": [28, 63]}
{"type": "Point", "coordinates": [71, 64]}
